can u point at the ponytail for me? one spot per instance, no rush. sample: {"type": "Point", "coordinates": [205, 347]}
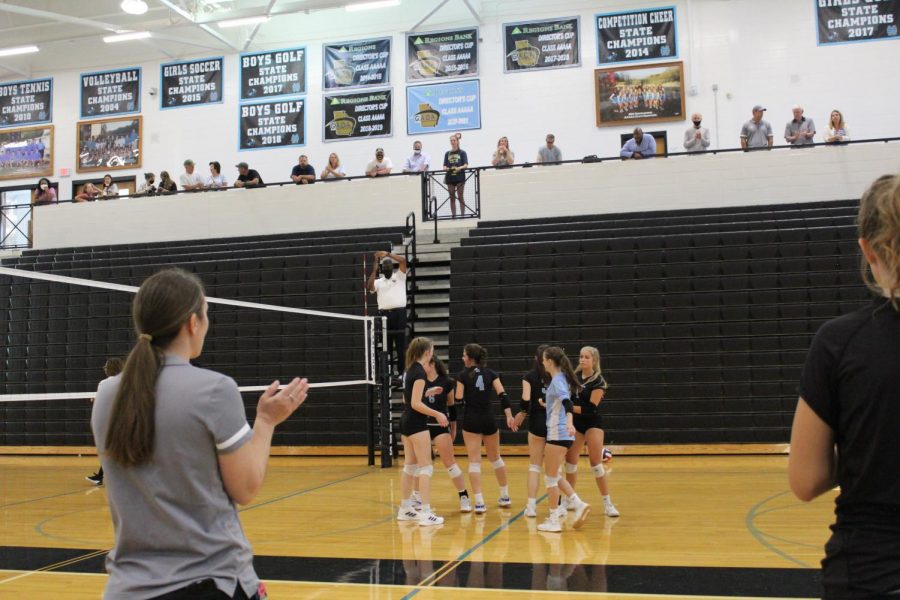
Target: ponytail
{"type": "Point", "coordinates": [558, 356]}
{"type": "Point", "coordinates": [879, 224]}
{"type": "Point", "coordinates": [417, 348]}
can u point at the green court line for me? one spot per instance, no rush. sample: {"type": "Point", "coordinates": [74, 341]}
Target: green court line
{"type": "Point", "coordinates": [761, 537]}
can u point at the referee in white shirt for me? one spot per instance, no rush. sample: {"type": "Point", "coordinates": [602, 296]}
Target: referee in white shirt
{"type": "Point", "coordinates": [390, 289]}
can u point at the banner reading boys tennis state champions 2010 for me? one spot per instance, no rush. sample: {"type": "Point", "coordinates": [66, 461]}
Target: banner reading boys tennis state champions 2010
{"type": "Point", "coordinates": [191, 83]}
{"type": "Point", "coordinates": [273, 73]}
{"type": "Point", "coordinates": [842, 21]}
{"type": "Point", "coordinates": [111, 92]}
{"type": "Point", "coordinates": [364, 114]}
{"type": "Point", "coordinates": [442, 54]}
{"type": "Point", "coordinates": [541, 44]}
{"type": "Point", "coordinates": [636, 35]}
{"type": "Point", "coordinates": [26, 102]}
{"type": "Point", "coordinates": [356, 64]}
{"type": "Point", "coordinates": [272, 124]}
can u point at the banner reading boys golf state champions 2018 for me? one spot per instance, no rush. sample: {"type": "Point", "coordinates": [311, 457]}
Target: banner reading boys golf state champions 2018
{"type": "Point", "coordinates": [273, 73]}
{"type": "Point", "coordinates": [191, 83]}
{"type": "Point", "coordinates": [111, 92]}
{"type": "Point", "coordinates": [26, 102]}
{"type": "Point", "coordinates": [636, 35]}
{"type": "Point", "coordinates": [546, 44]}
{"type": "Point", "coordinates": [356, 64]}
{"type": "Point", "coordinates": [844, 21]}
{"type": "Point", "coordinates": [442, 54]}
{"type": "Point", "coordinates": [364, 114]}
{"type": "Point", "coordinates": [451, 106]}
{"type": "Point", "coordinates": [272, 124]}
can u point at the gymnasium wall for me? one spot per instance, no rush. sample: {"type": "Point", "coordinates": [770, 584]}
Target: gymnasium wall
{"type": "Point", "coordinates": [756, 51]}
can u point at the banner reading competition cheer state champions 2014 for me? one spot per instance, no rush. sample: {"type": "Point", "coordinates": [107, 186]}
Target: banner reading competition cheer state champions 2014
{"type": "Point", "coordinates": [442, 54]}
{"type": "Point", "coordinates": [364, 114]}
{"type": "Point", "coordinates": [272, 124]}
{"type": "Point", "coordinates": [845, 21]}
{"type": "Point", "coordinates": [191, 83]}
{"type": "Point", "coordinates": [273, 73]}
{"type": "Point", "coordinates": [111, 92]}
{"type": "Point", "coordinates": [545, 44]}
{"type": "Point", "coordinates": [636, 35]}
{"type": "Point", "coordinates": [451, 106]}
{"type": "Point", "coordinates": [356, 64]}
{"type": "Point", "coordinates": [26, 102]}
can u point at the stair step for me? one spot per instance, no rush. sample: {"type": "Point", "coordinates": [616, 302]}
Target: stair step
{"type": "Point", "coordinates": [432, 313]}
{"type": "Point", "coordinates": [432, 284]}
{"type": "Point", "coordinates": [431, 299]}
{"type": "Point", "coordinates": [432, 327]}
{"type": "Point", "coordinates": [429, 271]}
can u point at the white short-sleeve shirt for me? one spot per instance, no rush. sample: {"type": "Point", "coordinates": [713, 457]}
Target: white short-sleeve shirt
{"type": "Point", "coordinates": [391, 292]}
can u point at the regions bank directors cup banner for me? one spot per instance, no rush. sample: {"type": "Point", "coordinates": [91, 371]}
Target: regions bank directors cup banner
{"type": "Point", "coordinates": [636, 35]}
{"type": "Point", "coordinates": [191, 83]}
{"type": "Point", "coordinates": [638, 95]}
{"type": "Point", "coordinates": [356, 64]}
{"type": "Point", "coordinates": [442, 54]}
{"type": "Point", "coordinates": [541, 45]}
{"type": "Point", "coordinates": [443, 107]}
{"type": "Point", "coordinates": [275, 73]}
{"type": "Point", "coordinates": [351, 116]}
{"type": "Point", "coordinates": [272, 124]}
{"type": "Point", "coordinates": [111, 92]}
{"type": "Point", "coordinates": [844, 21]}
{"type": "Point", "coordinates": [26, 102]}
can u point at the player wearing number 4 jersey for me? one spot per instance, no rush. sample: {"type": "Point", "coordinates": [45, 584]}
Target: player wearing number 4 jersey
{"type": "Point", "coordinates": [475, 385]}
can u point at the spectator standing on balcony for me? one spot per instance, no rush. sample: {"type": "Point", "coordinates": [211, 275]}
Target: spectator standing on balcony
{"type": "Point", "coordinates": [756, 134]}
{"type": "Point", "coordinates": [333, 170]}
{"type": "Point", "coordinates": [303, 173]}
{"type": "Point", "coordinates": [191, 181]}
{"type": "Point", "coordinates": [799, 131]}
{"type": "Point", "coordinates": [837, 131]}
{"type": "Point", "coordinates": [381, 166]}
{"type": "Point", "coordinates": [696, 138]}
{"type": "Point", "coordinates": [639, 146]}
{"type": "Point", "coordinates": [390, 289]}
{"type": "Point", "coordinates": [216, 180]}
{"type": "Point", "coordinates": [109, 189]}
{"type": "Point", "coordinates": [549, 153]}
{"type": "Point", "coordinates": [503, 156]}
{"type": "Point", "coordinates": [43, 193]}
{"type": "Point", "coordinates": [166, 184]}
{"type": "Point", "coordinates": [247, 177]}
{"type": "Point", "coordinates": [455, 162]}
{"type": "Point", "coordinates": [419, 161]}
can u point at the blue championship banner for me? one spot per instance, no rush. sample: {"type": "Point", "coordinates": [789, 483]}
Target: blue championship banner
{"type": "Point", "coordinates": [273, 73]}
{"type": "Point", "coordinates": [356, 64]}
{"type": "Point", "coordinates": [191, 82]}
{"type": "Point", "coordinates": [111, 92]}
{"type": "Point", "coordinates": [846, 21]}
{"type": "Point", "coordinates": [26, 102]}
{"type": "Point", "coordinates": [443, 107]}
{"type": "Point", "coordinates": [547, 44]}
{"type": "Point", "coordinates": [272, 124]}
{"type": "Point", "coordinates": [636, 35]}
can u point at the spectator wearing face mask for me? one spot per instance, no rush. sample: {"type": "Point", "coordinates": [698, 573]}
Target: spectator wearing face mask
{"type": "Point", "coordinates": [148, 188]}
{"type": "Point", "coordinates": [419, 161]}
{"type": "Point", "coordinates": [696, 138]}
{"type": "Point", "coordinates": [43, 193]}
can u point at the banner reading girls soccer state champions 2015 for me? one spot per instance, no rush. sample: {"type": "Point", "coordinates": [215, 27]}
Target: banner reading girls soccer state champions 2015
{"type": "Point", "coordinates": [546, 44]}
{"type": "Point", "coordinates": [844, 21]}
{"type": "Point", "coordinates": [26, 102]}
{"type": "Point", "coordinates": [191, 83]}
{"type": "Point", "coordinates": [356, 64]}
{"type": "Point", "coordinates": [111, 92]}
{"type": "Point", "coordinates": [442, 54]}
{"type": "Point", "coordinates": [272, 124]}
{"type": "Point", "coordinates": [636, 35]}
{"type": "Point", "coordinates": [451, 106]}
{"type": "Point", "coordinates": [364, 114]}
{"type": "Point", "coordinates": [273, 73]}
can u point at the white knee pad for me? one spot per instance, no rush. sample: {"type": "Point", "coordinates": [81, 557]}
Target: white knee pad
{"type": "Point", "coordinates": [534, 468]}
{"type": "Point", "coordinates": [410, 469]}
{"type": "Point", "coordinates": [571, 468]}
{"type": "Point", "coordinates": [454, 471]}
{"type": "Point", "coordinates": [474, 467]}
{"type": "Point", "coordinates": [598, 470]}
{"type": "Point", "coordinates": [550, 482]}
{"type": "Point", "coordinates": [425, 471]}
{"type": "Point", "coordinates": [498, 464]}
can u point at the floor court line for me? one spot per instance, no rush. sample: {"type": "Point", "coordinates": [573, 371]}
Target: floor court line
{"type": "Point", "coordinates": [20, 502]}
{"type": "Point", "coordinates": [761, 537]}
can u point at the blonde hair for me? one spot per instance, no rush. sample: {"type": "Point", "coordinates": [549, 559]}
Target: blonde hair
{"type": "Point", "coordinates": [595, 355]}
{"type": "Point", "coordinates": [840, 114]}
{"type": "Point", "coordinates": [879, 224]}
{"type": "Point", "coordinates": [417, 349]}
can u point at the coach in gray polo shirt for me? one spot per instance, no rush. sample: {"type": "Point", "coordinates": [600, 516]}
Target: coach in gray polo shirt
{"type": "Point", "coordinates": [756, 133]}
{"type": "Point", "coordinates": [799, 131]}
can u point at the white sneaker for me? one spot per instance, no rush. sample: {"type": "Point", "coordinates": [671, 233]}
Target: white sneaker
{"type": "Point", "coordinates": [559, 513]}
{"type": "Point", "coordinates": [480, 508]}
{"type": "Point", "coordinates": [551, 525]}
{"type": "Point", "coordinates": [407, 514]}
{"type": "Point", "coordinates": [610, 509]}
{"type": "Point", "coordinates": [530, 511]}
{"type": "Point", "coordinates": [581, 514]}
{"type": "Point", "coordinates": [428, 519]}
{"type": "Point", "coordinates": [416, 500]}
{"type": "Point", "coordinates": [504, 501]}
{"type": "Point", "coordinates": [465, 505]}
{"type": "Point", "coordinates": [564, 503]}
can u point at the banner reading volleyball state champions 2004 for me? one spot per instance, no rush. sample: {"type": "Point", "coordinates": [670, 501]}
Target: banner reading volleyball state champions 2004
{"type": "Point", "coordinates": [546, 44]}
{"type": "Point", "coordinates": [26, 102]}
{"type": "Point", "coordinates": [111, 92]}
{"type": "Point", "coordinates": [636, 35]}
{"type": "Point", "coordinates": [356, 64]}
{"type": "Point", "coordinates": [844, 21]}
{"type": "Point", "coordinates": [442, 54]}
{"type": "Point", "coordinates": [273, 73]}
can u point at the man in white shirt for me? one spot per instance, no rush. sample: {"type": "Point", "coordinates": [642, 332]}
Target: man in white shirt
{"type": "Point", "coordinates": [696, 139]}
{"type": "Point", "coordinates": [191, 181]}
{"type": "Point", "coordinates": [390, 289]}
{"type": "Point", "coordinates": [419, 161]}
{"type": "Point", "coordinates": [382, 165]}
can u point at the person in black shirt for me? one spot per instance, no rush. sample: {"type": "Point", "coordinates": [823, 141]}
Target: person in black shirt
{"type": "Point", "coordinates": [303, 173]}
{"type": "Point", "coordinates": [848, 416]}
{"type": "Point", "coordinates": [415, 435]}
{"type": "Point", "coordinates": [534, 386]}
{"type": "Point", "coordinates": [455, 162]}
{"type": "Point", "coordinates": [475, 385]}
{"type": "Point", "coordinates": [247, 177]}
{"type": "Point", "coordinates": [589, 425]}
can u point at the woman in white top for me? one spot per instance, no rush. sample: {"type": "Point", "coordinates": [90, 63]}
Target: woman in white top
{"type": "Point", "coordinates": [333, 170]}
{"type": "Point", "coordinates": [216, 179]}
{"type": "Point", "coordinates": [503, 156]}
{"type": "Point", "coordinates": [837, 130]}
{"type": "Point", "coordinates": [110, 189]}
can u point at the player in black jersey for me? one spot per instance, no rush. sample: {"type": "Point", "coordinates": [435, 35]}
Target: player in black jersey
{"type": "Point", "coordinates": [475, 385]}
{"type": "Point", "coordinates": [589, 425]}
{"type": "Point", "coordinates": [415, 435]}
{"type": "Point", "coordinates": [534, 387]}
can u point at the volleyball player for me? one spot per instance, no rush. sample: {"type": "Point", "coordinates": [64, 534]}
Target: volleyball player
{"type": "Point", "coordinates": [588, 425]}
{"type": "Point", "coordinates": [474, 385]}
{"type": "Point", "coordinates": [111, 368]}
{"type": "Point", "coordinates": [415, 435]}
{"type": "Point", "coordinates": [560, 436]}
{"type": "Point", "coordinates": [534, 388]}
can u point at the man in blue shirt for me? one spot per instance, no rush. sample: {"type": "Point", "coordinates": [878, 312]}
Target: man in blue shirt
{"type": "Point", "coordinates": [640, 146]}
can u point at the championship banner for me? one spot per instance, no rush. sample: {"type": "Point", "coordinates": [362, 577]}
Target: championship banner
{"type": "Point", "coordinates": [443, 107]}
{"type": "Point", "coordinates": [533, 45]}
{"type": "Point", "coordinates": [356, 64]}
{"type": "Point", "coordinates": [842, 22]}
{"type": "Point", "coordinates": [636, 35]}
{"type": "Point", "coordinates": [26, 102]}
{"type": "Point", "coordinates": [191, 83]}
{"type": "Point", "coordinates": [361, 115]}
{"type": "Point", "coordinates": [111, 92]}
{"type": "Point", "coordinates": [272, 124]}
{"type": "Point", "coordinates": [273, 73]}
{"type": "Point", "coordinates": [441, 54]}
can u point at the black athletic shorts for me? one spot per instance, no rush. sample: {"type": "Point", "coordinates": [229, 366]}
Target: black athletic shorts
{"type": "Point", "coordinates": [412, 423]}
{"type": "Point", "coordinates": [537, 424]}
{"type": "Point", "coordinates": [584, 422]}
{"type": "Point", "coordinates": [437, 430]}
{"type": "Point", "coordinates": [479, 422]}
{"type": "Point", "coordinates": [563, 443]}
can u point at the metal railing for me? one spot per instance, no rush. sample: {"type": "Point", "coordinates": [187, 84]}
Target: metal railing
{"type": "Point", "coordinates": [15, 229]}
{"type": "Point", "coordinates": [464, 201]}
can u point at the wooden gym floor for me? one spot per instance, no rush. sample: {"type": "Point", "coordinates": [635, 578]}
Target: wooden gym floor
{"type": "Point", "coordinates": [691, 527]}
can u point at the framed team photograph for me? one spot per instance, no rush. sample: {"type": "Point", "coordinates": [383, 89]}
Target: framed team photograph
{"type": "Point", "coordinates": [109, 144]}
{"type": "Point", "coordinates": [26, 152]}
{"type": "Point", "coordinates": [639, 94]}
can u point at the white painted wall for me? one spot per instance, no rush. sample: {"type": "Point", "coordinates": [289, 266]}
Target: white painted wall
{"type": "Point", "coordinates": [755, 50]}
